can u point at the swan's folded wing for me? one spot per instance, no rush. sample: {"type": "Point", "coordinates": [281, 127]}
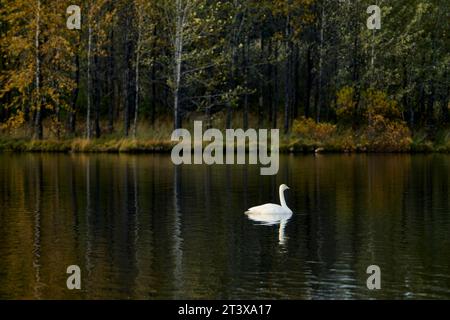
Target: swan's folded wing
{"type": "Point", "coordinates": [268, 208]}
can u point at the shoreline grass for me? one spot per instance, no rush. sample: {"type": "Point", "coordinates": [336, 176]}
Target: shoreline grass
{"type": "Point", "coordinates": [306, 136]}
{"type": "Point", "coordinates": [78, 145]}
{"type": "Point", "coordinates": [140, 145]}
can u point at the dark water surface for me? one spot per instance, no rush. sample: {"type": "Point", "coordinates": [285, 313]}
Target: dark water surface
{"type": "Point", "coordinates": [140, 228]}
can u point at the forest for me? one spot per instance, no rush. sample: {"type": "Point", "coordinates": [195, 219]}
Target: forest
{"type": "Point", "coordinates": [137, 69]}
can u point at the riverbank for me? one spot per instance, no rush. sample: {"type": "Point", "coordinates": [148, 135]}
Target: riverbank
{"type": "Point", "coordinates": [306, 136]}
{"type": "Point", "coordinates": [338, 144]}
{"type": "Point", "coordinates": [103, 145]}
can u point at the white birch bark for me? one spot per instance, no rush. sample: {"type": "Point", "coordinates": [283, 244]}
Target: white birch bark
{"type": "Point", "coordinates": [180, 17]}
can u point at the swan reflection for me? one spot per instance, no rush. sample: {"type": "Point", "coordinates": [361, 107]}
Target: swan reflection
{"type": "Point", "coordinates": [281, 226]}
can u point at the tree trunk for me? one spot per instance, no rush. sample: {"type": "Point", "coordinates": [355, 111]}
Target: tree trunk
{"type": "Point", "coordinates": [127, 79]}
{"type": "Point", "coordinates": [89, 84]}
{"type": "Point", "coordinates": [296, 93]}
{"type": "Point", "coordinates": [138, 61]}
{"type": "Point", "coordinates": [153, 82]}
{"type": "Point", "coordinates": [96, 96]}
{"type": "Point", "coordinates": [405, 100]}
{"type": "Point", "coordinates": [445, 101]}
{"type": "Point", "coordinates": [233, 75]}
{"type": "Point", "coordinates": [245, 69]}
{"type": "Point", "coordinates": [178, 61]}
{"type": "Point", "coordinates": [320, 93]}
{"type": "Point", "coordinates": [261, 84]}
{"type": "Point", "coordinates": [270, 81]}
{"type": "Point", "coordinates": [430, 104]}
{"type": "Point", "coordinates": [112, 84]}
{"type": "Point", "coordinates": [76, 90]}
{"type": "Point", "coordinates": [38, 130]}
{"type": "Point", "coordinates": [275, 91]}
{"type": "Point", "coordinates": [287, 76]}
{"type": "Point", "coordinates": [309, 67]}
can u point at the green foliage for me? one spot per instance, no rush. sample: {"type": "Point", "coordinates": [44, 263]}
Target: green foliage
{"type": "Point", "coordinates": [306, 57]}
{"type": "Point", "coordinates": [373, 103]}
{"type": "Point", "coordinates": [377, 104]}
{"type": "Point", "coordinates": [346, 105]}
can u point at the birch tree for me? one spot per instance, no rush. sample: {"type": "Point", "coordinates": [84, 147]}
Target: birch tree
{"type": "Point", "coordinates": [37, 76]}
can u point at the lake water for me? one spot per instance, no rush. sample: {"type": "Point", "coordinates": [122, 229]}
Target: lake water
{"type": "Point", "coordinates": [140, 228]}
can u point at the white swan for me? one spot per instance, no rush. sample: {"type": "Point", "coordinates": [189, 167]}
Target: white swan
{"type": "Point", "coordinates": [270, 213]}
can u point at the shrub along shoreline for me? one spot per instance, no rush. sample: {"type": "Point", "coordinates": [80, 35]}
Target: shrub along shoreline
{"type": "Point", "coordinates": [379, 134]}
{"type": "Point", "coordinates": [345, 142]}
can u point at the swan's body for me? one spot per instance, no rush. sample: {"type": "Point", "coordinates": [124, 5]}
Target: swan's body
{"type": "Point", "coordinates": [271, 213]}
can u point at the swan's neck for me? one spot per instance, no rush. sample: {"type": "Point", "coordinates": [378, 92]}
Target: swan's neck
{"type": "Point", "coordinates": [282, 200]}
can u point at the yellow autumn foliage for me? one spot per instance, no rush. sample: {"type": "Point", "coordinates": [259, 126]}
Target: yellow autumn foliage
{"type": "Point", "coordinates": [14, 122]}
{"type": "Point", "coordinates": [309, 129]}
{"type": "Point", "coordinates": [387, 135]}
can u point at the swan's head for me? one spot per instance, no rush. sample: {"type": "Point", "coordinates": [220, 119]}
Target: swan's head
{"type": "Point", "coordinates": [283, 187]}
